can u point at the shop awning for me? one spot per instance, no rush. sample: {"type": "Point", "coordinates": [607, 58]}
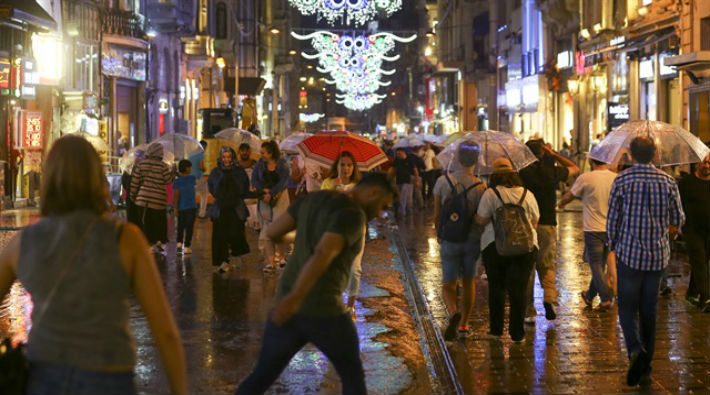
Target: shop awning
{"type": "Point", "coordinates": [28, 11]}
{"type": "Point", "coordinates": [250, 86]}
{"type": "Point", "coordinates": [648, 39]}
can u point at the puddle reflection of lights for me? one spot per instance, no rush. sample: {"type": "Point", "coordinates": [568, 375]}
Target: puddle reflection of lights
{"type": "Point", "coordinates": [433, 247]}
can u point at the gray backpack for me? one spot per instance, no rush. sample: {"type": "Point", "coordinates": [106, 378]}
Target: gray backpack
{"type": "Point", "coordinates": [513, 231]}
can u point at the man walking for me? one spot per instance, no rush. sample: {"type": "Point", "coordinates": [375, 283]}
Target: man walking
{"type": "Point", "coordinates": [459, 253]}
{"type": "Point", "coordinates": [309, 304]}
{"type": "Point", "coordinates": [644, 209]}
{"type": "Point", "coordinates": [593, 189]}
{"type": "Point", "coordinates": [430, 172]}
{"type": "Point", "coordinates": [695, 195]}
{"type": "Point", "coordinates": [542, 179]}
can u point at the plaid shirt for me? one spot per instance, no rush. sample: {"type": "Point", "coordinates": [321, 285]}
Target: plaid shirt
{"type": "Point", "coordinates": [643, 202]}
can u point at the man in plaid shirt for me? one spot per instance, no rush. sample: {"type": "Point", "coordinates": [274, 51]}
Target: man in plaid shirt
{"type": "Point", "coordinates": [644, 212]}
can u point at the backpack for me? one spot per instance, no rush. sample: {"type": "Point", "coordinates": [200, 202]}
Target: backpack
{"type": "Point", "coordinates": [228, 191]}
{"type": "Point", "coordinates": [513, 231]}
{"type": "Point", "coordinates": [455, 217]}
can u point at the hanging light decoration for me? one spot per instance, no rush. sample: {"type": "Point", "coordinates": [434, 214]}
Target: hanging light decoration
{"type": "Point", "coordinates": [357, 12]}
{"type": "Point", "coordinates": [359, 102]}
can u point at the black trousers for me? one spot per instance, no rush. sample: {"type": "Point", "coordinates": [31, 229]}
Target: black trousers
{"type": "Point", "coordinates": [186, 226]}
{"type": "Point", "coordinates": [154, 224]}
{"type": "Point", "coordinates": [429, 181]}
{"type": "Point", "coordinates": [227, 234]}
{"type": "Point", "coordinates": [698, 247]}
{"type": "Point", "coordinates": [507, 274]}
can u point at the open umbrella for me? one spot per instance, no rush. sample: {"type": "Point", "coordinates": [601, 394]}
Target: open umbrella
{"type": "Point", "coordinates": [240, 136]}
{"type": "Point", "coordinates": [181, 146]}
{"type": "Point", "coordinates": [129, 157]}
{"type": "Point", "coordinates": [674, 145]}
{"type": "Point", "coordinates": [450, 138]}
{"type": "Point", "coordinates": [97, 142]}
{"type": "Point", "coordinates": [289, 143]}
{"type": "Point", "coordinates": [324, 148]}
{"type": "Point", "coordinates": [493, 145]}
{"type": "Point", "coordinates": [410, 141]}
{"type": "Point", "coordinates": [432, 138]}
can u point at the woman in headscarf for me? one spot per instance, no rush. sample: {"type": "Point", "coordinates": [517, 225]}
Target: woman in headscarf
{"type": "Point", "coordinates": [131, 209]}
{"type": "Point", "coordinates": [228, 183]}
{"type": "Point", "coordinates": [150, 177]}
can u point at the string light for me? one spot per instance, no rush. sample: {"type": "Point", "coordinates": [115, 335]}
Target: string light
{"type": "Point", "coordinates": [358, 102]}
{"type": "Point", "coordinates": [357, 12]}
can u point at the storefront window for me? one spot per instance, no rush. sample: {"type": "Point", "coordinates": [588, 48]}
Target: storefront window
{"type": "Point", "coordinates": [86, 63]}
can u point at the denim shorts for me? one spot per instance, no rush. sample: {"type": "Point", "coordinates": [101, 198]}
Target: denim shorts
{"type": "Point", "coordinates": [459, 259]}
{"type": "Point", "coordinates": [49, 378]}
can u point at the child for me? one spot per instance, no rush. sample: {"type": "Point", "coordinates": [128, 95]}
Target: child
{"type": "Point", "coordinates": [185, 205]}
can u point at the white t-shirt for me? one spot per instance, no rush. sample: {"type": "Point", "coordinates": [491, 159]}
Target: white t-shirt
{"type": "Point", "coordinates": [428, 157]}
{"type": "Point", "coordinates": [490, 203]}
{"type": "Point", "coordinates": [593, 188]}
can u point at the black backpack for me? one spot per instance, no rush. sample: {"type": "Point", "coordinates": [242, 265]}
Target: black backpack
{"type": "Point", "coordinates": [228, 191]}
{"type": "Point", "coordinates": [455, 216]}
{"type": "Point", "coordinates": [513, 231]}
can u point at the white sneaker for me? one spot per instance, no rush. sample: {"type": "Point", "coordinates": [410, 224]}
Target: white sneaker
{"type": "Point", "coordinates": [530, 320]}
{"type": "Point", "coordinates": [186, 251]}
{"type": "Point", "coordinates": [178, 249]}
{"type": "Point", "coordinates": [224, 267]}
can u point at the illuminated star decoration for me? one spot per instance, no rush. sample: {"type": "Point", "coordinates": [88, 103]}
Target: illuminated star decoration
{"type": "Point", "coordinates": [358, 12]}
{"type": "Point", "coordinates": [357, 102]}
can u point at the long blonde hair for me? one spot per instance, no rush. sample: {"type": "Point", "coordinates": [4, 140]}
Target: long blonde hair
{"type": "Point", "coordinates": [73, 179]}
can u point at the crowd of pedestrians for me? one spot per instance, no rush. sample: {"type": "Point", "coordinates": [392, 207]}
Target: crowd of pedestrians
{"type": "Point", "coordinates": [506, 219]}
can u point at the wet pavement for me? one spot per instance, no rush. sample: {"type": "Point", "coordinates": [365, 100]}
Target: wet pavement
{"type": "Point", "coordinates": [582, 350]}
{"type": "Point", "coordinates": [221, 320]}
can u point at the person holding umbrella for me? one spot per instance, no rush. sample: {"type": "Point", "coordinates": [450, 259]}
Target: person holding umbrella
{"type": "Point", "coordinates": [645, 211]}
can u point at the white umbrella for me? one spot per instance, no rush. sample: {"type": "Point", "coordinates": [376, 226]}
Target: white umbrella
{"type": "Point", "coordinates": [97, 142]}
{"type": "Point", "coordinates": [240, 136]}
{"type": "Point", "coordinates": [409, 142]}
{"type": "Point", "coordinates": [291, 141]}
{"type": "Point", "coordinates": [181, 146]}
{"type": "Point", "coordinates": [493, 145]}
{"type": "Point", "coordinates": [129, 157]}
{"type": "Point", "coordinates": [674, 145]}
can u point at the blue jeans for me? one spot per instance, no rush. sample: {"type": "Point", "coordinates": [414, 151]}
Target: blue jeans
{"type": "Point", "coordinates": [596, 252]}
{"type": "Point", "coordinates": [638, 302]}
{"type": "Point", "coordinates": [48, 378]}
{"type": "Point", "coordinates": [459, 258]}
{"type": "Point", "coordinates": [335, 336]}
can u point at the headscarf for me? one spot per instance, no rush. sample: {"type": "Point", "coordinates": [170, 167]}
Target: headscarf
{"type": "Point", "coordinates": [232, 153]}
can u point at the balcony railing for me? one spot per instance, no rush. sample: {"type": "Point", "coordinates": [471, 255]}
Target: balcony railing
{"type": "Point", "coordinates": [124, 23]}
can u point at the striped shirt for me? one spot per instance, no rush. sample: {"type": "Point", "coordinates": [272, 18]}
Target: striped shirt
{"type": "Point", "coordinates": [643, 203]}
{"type": "Point", "coordinates": [150, 176]}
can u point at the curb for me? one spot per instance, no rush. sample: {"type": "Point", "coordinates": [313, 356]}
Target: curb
{"type": "Point", "coordinates": [444, 372]}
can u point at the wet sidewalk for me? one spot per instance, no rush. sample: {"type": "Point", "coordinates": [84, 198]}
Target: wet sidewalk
{"type": "Point", "coordinates": [582, 350]}
{"type": "Point", "coordinates": [221, 320]}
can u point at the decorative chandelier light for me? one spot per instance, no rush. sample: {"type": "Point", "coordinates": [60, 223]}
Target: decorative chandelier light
{"type": "Point", "coordinates": [310, 117]}
{"type": "Point", "coordinates": [357, 12]}
{"type": "Point", "coordinates": [359, 102]}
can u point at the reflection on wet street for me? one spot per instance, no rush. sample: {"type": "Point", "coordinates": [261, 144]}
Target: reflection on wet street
{"type": "Point", "coordinates": [582, 350]}
{"type": "Point", "coordinates": [221, 320]}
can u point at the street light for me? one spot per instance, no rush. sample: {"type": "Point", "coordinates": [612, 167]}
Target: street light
{"type": "Point", "coordinates": [220, 62]}
{"type": "Point", "coordinates": [292, 52]}
{"type": "Point", "coordinates": [573, 86]}
{"type": "Point", "coordinates": [429, 33]}
{"type": "Point", "coordinates": [275, 31]}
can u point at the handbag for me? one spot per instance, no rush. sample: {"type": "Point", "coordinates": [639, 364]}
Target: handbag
{"type": "Point", "coordinates": [14, 367]}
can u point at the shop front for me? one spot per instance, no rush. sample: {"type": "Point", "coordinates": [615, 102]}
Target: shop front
{"type": "Point", "coordinates": [530, 113]}
{"type": "Point", "coordinates": [124, 67]}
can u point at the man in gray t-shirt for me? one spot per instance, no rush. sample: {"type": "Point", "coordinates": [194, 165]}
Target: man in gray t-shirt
{"type": "Point", "coordinates": [459, 258]}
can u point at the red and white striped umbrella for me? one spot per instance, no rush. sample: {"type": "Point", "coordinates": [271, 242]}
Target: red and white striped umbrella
{"type": "Point", "coordinates": [324, 148]}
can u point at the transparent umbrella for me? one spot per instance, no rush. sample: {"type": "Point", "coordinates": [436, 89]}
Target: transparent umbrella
{"type": "Point", "coordinates": [138, 152]}
{"type": "Point", "coordinates": [493, 145]}
{"type": "Point", "coordinates": [674, 145]}
{"type": "Point", "coordinates": [240, 136]}
{"type": "Point", "coordinates": [450, 138]}
{"type": "Point", "coordinates": [409, 142]}
{"type": "Point", "coordinates": [291, 141]}
{"type": "Point", "coordinates": [181, 146]}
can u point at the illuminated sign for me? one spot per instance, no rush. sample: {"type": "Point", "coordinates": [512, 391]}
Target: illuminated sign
{"type": "Point", "coordinates": [512, 98]}
{"type": "Point", "coordinates": [123, 62]}
{"type": "Point", "coordinates": [4, 74]}
{"type": "Point", "coordinates": [47, 51]}
{"type": "Point", "coordinates": [646, 69]}
{"type": "Point", "coordinates": [28, 91]}
{"type": "Point", "coordinates": [580, 63]}
{"type": "Point", "coordinates": [617, 114]}
{"type": "Point", "coordinates": [565, 60]}
{"type": "Point", "coordinates": [531, 93]}
{"type": "Point", "coordinates": [163, 106]}
{"type": "Point", "coordinates": [666, 70]}
{"type": "Point", "coordinates": [32, 129]}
